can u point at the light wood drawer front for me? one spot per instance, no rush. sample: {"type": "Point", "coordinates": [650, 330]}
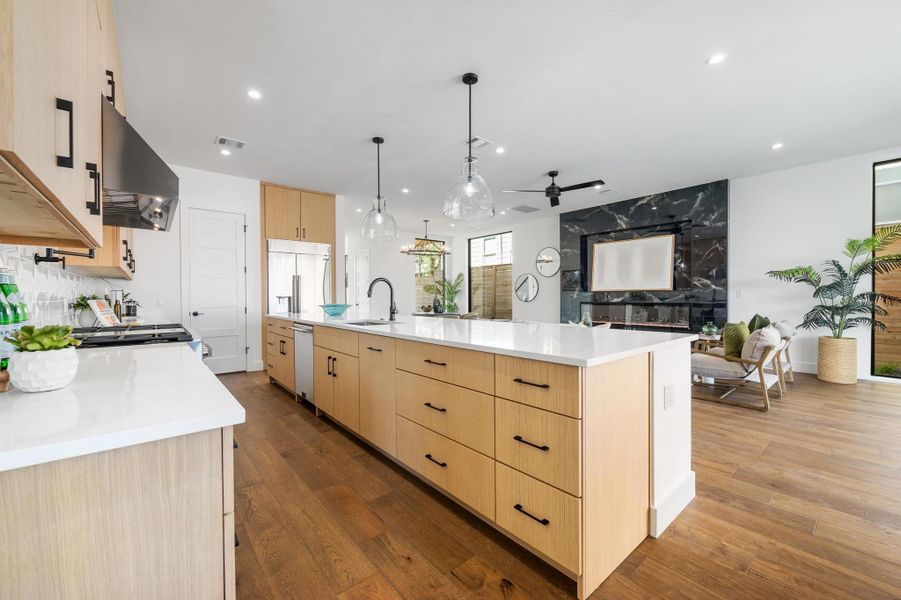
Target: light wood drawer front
{"type": "Point", "coordinates": [546, 385]}
{"type": "Point", "coordinates": [460, 414]}
{"type": "Point", "coordinates": [281, 327]}
{"type": "Point", "coordinates": [541, 443]}
{"type": "Point", "coordinates": [271, 343]}
{"type": "Point", "coordinates": [464, 473]}
{"type": "Point", "coordinates": [339, 340]}
{"type": "Point", "coordinates": [467, 368]}
{"type": "Point", "coordinates": [540, 515]}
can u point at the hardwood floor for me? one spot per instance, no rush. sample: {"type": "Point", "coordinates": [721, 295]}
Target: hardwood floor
{"type": "Point", "coordinates": [801, 502]}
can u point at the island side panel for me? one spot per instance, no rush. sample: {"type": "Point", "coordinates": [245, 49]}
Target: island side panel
{"type": "Point", "coordinates": [672, 480]}
{"type": "Point", "coordinates": [616, 465]}
{"type": "Point", "coordinates": [136, 522]}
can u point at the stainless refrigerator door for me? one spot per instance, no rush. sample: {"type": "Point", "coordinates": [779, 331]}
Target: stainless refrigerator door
{"type": "Point", "coordinates": [282, 267]}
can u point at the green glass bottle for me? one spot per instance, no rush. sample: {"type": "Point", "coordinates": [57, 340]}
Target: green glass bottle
{"type": "Point", "coordinates": [13, 296]}
{"type": "Point", "coordinates": [6, 329]}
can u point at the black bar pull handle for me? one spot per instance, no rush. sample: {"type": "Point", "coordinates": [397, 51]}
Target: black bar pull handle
{"type": "Point", "coordinates": [329, 365]}
{"type": "Point", "coordinates": [373, 349]}
{"type": "Point", "coordinates": [519, 439]}
{"type": "Point", "coordinates": [67, 106]}
{"type": "Point", "coordinates": [543, 386]}
{"type": "Point", "coordinates": [132, 264]}
{"type": "Point", "coordinates": [335, 367]}
{"type": "Point", "coordinates": [433, 407]}
{"type": "Point", "coordinates": [440, 464]}
{"type": "Point", "coordinates": [111, 81]}
{"type": "Point", "coordinates": [127, 251]}
{"type": "Point", "coordinates": [435, 362]}
{"type": "Point", "coordinates": [94, 205]}
{"type": "Point", "coordinates": [519, 507]}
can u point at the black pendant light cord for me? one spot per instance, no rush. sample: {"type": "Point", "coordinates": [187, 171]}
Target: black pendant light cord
{"type": "Point", "coordinates": [378, 162]}
{"type": "Point", "coordinates": [469, 162]}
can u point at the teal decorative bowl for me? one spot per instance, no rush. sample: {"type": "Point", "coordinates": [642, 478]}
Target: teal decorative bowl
{"type": "Point", "coordinates": [335, 310]}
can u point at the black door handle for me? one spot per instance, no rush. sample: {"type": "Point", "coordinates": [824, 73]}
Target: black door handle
{"type": "Point", "coordinates": [127, 251]}
{"type": "Point", "coordinates": [329, 370]}
{"type": "Point", "coordinates": [94, 205]}
{"type": "Point", "coordinates": [543, 386]}
{"type": "Point", "coordinates": [440, 464]}
{"type": "Point", "coordinates": [519, 439]}
{"type": "Point", "coordinates": [373, 349]}
{"type": "Point", "coordinates": [335, 367]}
{"type": "Point", "coordinates": [433, 407]}
{"type": "Point", "coordinates": [111, 80]}
{"type": "Point", "coordinates": [519, 507]}
{"type": "Point", "coordinates": [132, 264]}
{"type": "Point", "coordinates": [67, 106]}
{"type": "Point", "coordinates": [435, 362]}
{"type": "Point", "coordinates": [196, 314]}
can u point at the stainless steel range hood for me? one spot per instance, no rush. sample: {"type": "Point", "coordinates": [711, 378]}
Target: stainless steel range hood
{"type": "Point", "coordinates": [140, 191]}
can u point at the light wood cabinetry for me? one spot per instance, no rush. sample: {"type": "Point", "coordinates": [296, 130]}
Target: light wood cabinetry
{"type": "Point", "coordinates": [115, 260]}
{"type": "Point", "coordinates": [557, 457]}
{"type": "Point", "coordinates": [464, 473]}
{"type": "Point", "coordinates": [458, 413]}
{"type": "Point", "coordinates": [466, 368]}
{"type": "Point", "coordinates": [317, 218]}
{"type": "Point", "coordinates": [377, 396]}
{"type": "Point", "coordinates": [280, 360]}
{"type": "Point", "coordinates": [53, 57]}
{"type": "Point", "coordinates": [153, 520]}
{"type": "Point", "coordinates": [113, 89]}
{"type": "Point", "coordinates": [282, 209]}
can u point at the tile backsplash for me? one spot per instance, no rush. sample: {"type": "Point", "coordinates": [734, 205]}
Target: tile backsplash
{"type": "Point", "coordinates": [47, 288]}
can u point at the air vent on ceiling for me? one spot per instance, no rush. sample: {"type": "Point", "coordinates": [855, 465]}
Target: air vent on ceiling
{"type": "Point", "coordinates": [606, 191]}
{"type": "Point", "coordinates": [525, 209]}
{"type": "Point", "coordinates": [224, 141]}
{"type": "Point", "coordinates": [479, 142]}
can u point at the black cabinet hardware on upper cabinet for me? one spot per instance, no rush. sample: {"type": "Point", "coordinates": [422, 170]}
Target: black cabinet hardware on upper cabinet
{"type": "Point", "coordinates": [519, 439]}
{"type": "Point", "coordinates": [329, 370]}
{"type": "Point", "coordinates": [127, 251]}
{"type": "Point", "coordinates": [530, 515]}
{"type": "Point", "coordinates": [111, 81]}
{"type": "Point", "coordinates": [435, 362]}
{"type": "Point", "coordinates": [543, 386]}
{"type": "Point", "coordinates": [440, 464]}
{"type": "Point", "coordinates": [373, 349]}
{"type": "Point", "coordinates": [132, 265]}
{"type": "Point", "coordinates": [335, 367]}
{"type": "Point", "coordinates": [67, 106]}
{"type": "Point", "coordinates": [94, 205]}
{"type": "Point", "coordinates": [433, 407]}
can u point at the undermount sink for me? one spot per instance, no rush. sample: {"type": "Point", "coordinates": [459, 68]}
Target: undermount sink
{"type": "Point", "coordinates": [369, 322]}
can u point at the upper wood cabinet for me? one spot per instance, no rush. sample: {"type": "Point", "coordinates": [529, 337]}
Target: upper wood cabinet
{"type": "Point", "coordinates": [317, 218]}
{"type": "Point", "coordinates": [115, 260]}
{"type": "Point", "coordinates": [112, 65]}
{"type": "Point", "coordinates": [52, 67]}
{"type": "Point", "coordinates": [282, 208]}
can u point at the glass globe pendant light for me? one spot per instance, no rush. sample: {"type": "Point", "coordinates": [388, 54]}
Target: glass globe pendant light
{"type": "Point", "coordinates": [469, 198]}
{"type": "Point", "coordinates": [378, 224]}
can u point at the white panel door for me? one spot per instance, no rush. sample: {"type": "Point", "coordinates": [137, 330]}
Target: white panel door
{"type": "Point", "coordinates": [216, 286]}
{"type": "Point", "coordinates": [361, 280]}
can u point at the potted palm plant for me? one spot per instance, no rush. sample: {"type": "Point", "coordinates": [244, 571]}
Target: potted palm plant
{"type": "Point", "coordinates": [447, 290]}
{"type": "Point", "coordinates": [839, 307]}
{"type": "Point", "coordinates": [44, 359]}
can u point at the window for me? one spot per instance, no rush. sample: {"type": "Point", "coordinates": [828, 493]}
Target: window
{"type": "Point", "coordinates": [886, 350]}
{"type": "Point", "coordinates": [428, 269]}
{"type": "Point", "coordinates": [491, 276]}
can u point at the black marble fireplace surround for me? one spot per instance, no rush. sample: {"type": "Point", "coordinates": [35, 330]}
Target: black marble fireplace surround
{"type": "Point", "coordinates": [697, 216]}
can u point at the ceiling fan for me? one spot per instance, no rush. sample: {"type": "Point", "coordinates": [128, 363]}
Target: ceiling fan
{"type": "Point", "coordinates": [554, 191]}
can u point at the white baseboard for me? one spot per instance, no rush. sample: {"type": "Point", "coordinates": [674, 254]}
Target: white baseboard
{"type": "Point", "coordinates": [666, 511]}
{"type": "Point", "coordinates": [255, 365]}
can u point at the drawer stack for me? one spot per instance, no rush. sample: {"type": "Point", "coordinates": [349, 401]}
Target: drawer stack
{"type": "Point", "coordinates": [280, 352]}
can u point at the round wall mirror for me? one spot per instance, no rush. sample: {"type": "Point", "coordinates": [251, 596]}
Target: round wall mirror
{"type": "Point", "coordinates": [548, 261]}
{"type": "Point", "coordinates": [526, 287]}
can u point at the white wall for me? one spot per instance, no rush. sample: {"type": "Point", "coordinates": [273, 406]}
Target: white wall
{"type": "Point", "coordinates": [529, 238]}
{"type": "Point", "coordinates": [160, 282]}
{"type": "Point", "coordinates": [793, 217]}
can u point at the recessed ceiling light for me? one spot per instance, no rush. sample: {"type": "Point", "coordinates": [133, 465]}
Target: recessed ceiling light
{"type": "Point", "coordinates": [777, 146]}
{"type": "Point", "coordinates": [359, 210]}
{"type": "Point", "coordinates": [503, 212]}
{"type": "Point", "coordinates": [225, 152]}
{"type": "Point", "coordinates": [453, 224]}
{"type": "Point", "coordinates": [255, 94]}
{"type": "Point", "coordinates": [716, 58]}
{"type": "Point", "coordinates": [405, 191]}
{"type": "Point", "coordinates": [597, 186]}
{"type": "Point", "coordinates": [500, 149]}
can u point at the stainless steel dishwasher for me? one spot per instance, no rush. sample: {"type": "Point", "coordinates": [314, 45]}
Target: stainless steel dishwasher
{"type": "Point", "coordinates": [303, 362]}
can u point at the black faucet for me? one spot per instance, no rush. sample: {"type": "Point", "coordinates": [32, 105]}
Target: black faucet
{"type": "Point", "coordinates": [393, 309]}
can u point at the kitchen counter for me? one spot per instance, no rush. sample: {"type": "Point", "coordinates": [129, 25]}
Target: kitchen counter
{"type": "Point", "coordinates": [121, 397]}
{"type": "Point", "coordinates": [551, 342]}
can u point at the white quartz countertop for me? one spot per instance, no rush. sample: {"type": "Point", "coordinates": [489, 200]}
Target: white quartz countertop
{"type": "Point", "coordinates": [120, 397]}
{"type": "Point", "coordinates": [551, 342]}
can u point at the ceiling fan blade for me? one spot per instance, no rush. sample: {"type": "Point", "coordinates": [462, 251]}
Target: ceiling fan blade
{"type": "Point", "coordinates": [582, 186]}
{"type": "Point", "coordinates": [540, 191]}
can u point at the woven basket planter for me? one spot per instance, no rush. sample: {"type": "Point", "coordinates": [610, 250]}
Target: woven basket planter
{"type": "Point", "coordinates": [837, 360]}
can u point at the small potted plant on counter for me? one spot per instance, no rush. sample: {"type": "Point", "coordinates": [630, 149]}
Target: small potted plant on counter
{"type": "Point", "coordinates": [43, 359]}
{"type": "Point", "coordinates": [83, 310]}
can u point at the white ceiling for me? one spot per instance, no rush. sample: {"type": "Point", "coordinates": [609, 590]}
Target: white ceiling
{"type": "Point", "coordinates": [615, 89]}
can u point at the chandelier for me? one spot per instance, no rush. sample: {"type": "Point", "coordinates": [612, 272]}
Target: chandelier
{"type": "Point", "coordinates": [425, 246]}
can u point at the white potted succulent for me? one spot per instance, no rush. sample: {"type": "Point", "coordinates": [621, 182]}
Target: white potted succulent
{"type": "Point", "coordinates": [44, 359]}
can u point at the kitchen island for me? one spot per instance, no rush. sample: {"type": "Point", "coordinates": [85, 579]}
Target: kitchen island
{"type": "Point", "coordinates": [120, 485]}
{"type": "Point", "coordinates": [574, 442]}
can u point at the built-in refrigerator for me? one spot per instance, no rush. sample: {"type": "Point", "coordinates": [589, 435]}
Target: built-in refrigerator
{"type": "Point", "coordinates": [299, 276]}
